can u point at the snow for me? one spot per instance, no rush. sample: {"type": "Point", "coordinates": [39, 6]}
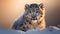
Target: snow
{"type": "Point", "coordinates": [48, 30]}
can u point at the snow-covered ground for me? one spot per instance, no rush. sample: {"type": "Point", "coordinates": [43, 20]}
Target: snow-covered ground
{"type": "Point", "coordinates": [48, 30]}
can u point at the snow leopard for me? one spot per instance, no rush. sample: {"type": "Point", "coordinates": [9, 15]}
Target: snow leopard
{"type": "Point", "coordinates": [31, 19]}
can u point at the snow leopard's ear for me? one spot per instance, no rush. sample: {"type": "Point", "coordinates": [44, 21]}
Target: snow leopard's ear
{"type": "Point", "coordinates": [26, 6]}
{"type": "Point", "coordinates": [41, 6]}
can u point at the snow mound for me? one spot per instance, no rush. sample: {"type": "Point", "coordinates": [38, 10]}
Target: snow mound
{"type": "Point", "coordinates": [48, 30]}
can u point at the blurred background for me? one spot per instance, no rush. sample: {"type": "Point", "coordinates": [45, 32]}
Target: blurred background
{"type": "Point", "coordinates": [11, 9]}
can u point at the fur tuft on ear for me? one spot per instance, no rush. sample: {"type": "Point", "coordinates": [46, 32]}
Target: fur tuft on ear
{"type": "Point", "coordinates": [26, 6]}
{"type": "Point", "coordinates": [41, 5]}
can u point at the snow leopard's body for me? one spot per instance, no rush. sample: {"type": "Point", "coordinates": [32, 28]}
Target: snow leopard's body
{"type": "Point", "coordinates": [33, 18]}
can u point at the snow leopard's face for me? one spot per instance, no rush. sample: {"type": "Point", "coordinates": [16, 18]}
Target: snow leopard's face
{"type": "Point", "coordinates": [33, 11]}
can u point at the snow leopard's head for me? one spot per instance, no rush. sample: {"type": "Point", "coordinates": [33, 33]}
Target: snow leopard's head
{"type": "Point", "coordinates": [33, 11]}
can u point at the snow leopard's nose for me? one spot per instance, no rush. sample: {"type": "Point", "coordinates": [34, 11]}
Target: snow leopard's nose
{"type": "Point", "coordinates": [34, 17]}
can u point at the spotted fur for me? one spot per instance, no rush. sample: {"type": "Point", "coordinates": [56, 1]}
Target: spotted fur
{"type": "Point", "coordinates": [32, 18]}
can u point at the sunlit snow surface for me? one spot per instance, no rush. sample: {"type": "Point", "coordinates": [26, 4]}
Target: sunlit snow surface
{"type": "Point", "coordinates": [48, 30]}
